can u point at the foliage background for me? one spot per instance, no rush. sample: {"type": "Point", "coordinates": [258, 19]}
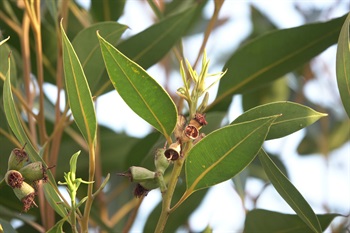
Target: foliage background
{"type": "Point", "coordinates": [298, 154]}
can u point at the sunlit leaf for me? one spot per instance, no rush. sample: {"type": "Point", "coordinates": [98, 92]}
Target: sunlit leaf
{"type": "Point", "coordinates": [139, 90]}
{"type": "Point", "coordinates": [289, 193]}
{"type": "Point", "coordinates": [87, 47]}
{"type": "Point", "coordinates": [272, 55]}
{"type": "Point", "coordinates": [259, 220]}
{"type": "Point", "coordinates": [79, 95]}
{"type": "Point", "coordinates": [343, 65]}
{"type": "Point", "coordinates": [224, 153]}
{"type": "Point", "coordinates": [294, 117]}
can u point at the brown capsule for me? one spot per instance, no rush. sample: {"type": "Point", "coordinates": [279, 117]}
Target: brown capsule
{"type": "Point", "coordinates": [191, 132]}
{"type": "Point", "coordinates": [174, 151]}
{"type": "Point", "coordinates": [14, 179]}
{"type": "Point", "coordinates": [140, 191]}
{"type": "Point", "coordinates": [200, 118]}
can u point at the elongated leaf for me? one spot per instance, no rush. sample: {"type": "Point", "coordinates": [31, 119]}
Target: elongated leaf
{"type": "Point", "coordinates": [294, 117]}
{"type": "Point", "coordinates": [15, 124]}
{"type": "Point", "coordinates": [272, 55]}
{"type": "Point", "coordinates": [139, 90]}
{"type": "Point", "coordinates": [224, 153]}
{"type": "Point", "coordinates": [260, 220]}
{"type": "Point", "coordinates": [88, 50]}
{"type": "Point", "coordinates": [149, 46]}
{"type": "Point", "coordinates": [343, 65]}
{"type": "Point", "coordinates": [289, 193]}
{"type": "Point", "coordinates": [79, 95]}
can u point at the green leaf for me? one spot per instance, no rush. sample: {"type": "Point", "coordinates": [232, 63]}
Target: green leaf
{"type": "Point", "coordinates": [259, 220]}
{"type": "Point", "coordinates": [149, 46]}
{"type": "Point", "coordinates": [224, 153]}
{"type": "Point", "coordinates": [337, 136]}
{"type": "Point", "coordinates": [276, 91]}
{"type": "Point", "coordinates": [58, 227]}
{"type": "Point", "coordinates": [139, 90]}
{"type": "Point", "coordinates": [343, 64]}
{"type": "Point", "coordinates": [289, 193]}
{"type": "Point", "coordinates": [15, 124]}
{"type": "Point", "coordinates": [88, 50]}
{"type": "Point", "coordinates": [294, 117]}
{"type": "Point", "coordinates": [107, 10]}
{"type": "Point", "coordinates": [272, 55]}
{"type": "Point", "coordinates": [79, 95]}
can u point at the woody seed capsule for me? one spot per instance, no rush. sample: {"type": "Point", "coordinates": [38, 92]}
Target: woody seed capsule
{"type": "Point", "coordinates": [34, 171]}
{"type": "Point", "coordinates": [139, 174]}
{"type": "Point", "coordinates": [26, 194]}
{"type": "Point", "coordinates": [14, 179]}
{"type": "Point", "coordinates": [174, 151]}
{"type": "Point", "coordinates": [17, 159]}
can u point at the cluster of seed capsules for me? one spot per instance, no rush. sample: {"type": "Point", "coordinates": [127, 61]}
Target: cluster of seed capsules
{"type": "Point", "coordinates": [23, 177]}
{"type": "Point", "coordinates": [147, 180]}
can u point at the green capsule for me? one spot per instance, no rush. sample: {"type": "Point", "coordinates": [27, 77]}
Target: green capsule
{"type": "Point", "coordinates": [17, 159]}
{"type": "Point", "coordinates": [160, 161]}
{"type": "Point", "coordinates": [33, 171]}
{"type": "Point", "coordinates": [14, 179]}
{"type": "Point", "coordinates": [138, 174]}
{"type": "Point", "coordinates": [26, 194]}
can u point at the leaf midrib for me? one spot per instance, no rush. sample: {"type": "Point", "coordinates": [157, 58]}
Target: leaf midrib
{"type": "Point", "coordinates": [211, 167]}
{"type": "Point", "coordinates": [139, 94]}
{"type": "Point", "coordinates": [269, 67]}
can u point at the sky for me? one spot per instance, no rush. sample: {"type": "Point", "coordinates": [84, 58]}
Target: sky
{"type": "Point", "coordinates": [320, 181]}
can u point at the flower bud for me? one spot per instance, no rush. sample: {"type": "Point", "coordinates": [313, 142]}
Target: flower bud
{"type": "Point", "coordinates": [26, 194]}
{"type": "Point", "coordinates": [34, 171]}
{"type": "Point", "coordinates": [160, 161]}
{"type": "Point", "coordinates": [14, 179]}
{"type": "Point", "coordinates": [173, 152]}
{"type": "Point", "coordinates": [139, 174]}
{"type": "Point", "coordinates": [17, 159]}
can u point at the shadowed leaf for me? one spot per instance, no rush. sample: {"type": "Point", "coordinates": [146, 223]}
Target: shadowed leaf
{"type": "Point", "coordinates": [343, 65]}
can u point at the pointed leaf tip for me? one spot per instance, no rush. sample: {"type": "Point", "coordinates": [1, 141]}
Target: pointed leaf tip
{"type": "Point", "coordinates": [139, 90]}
